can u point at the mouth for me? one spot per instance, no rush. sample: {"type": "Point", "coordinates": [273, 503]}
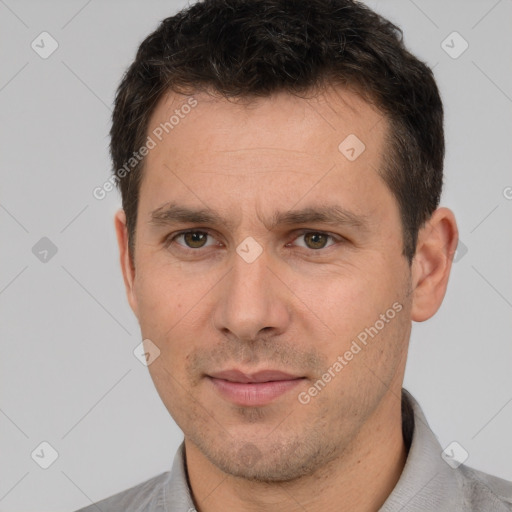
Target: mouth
{"type": "Point", "coordinates": [253, 389]}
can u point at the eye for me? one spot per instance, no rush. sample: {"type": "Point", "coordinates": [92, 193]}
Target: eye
{"type": "Point", "coordinates": [197, 239]}
{"type": "Point", "coordinates": [315, 240]}
{"type": "Point", "coordinates": [191, 239]}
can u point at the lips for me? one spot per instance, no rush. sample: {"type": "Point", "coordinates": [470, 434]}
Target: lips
{"type": "Point", "coordinates": [261, 376]}
{"type": "Point", "coordinates": [253, 389]}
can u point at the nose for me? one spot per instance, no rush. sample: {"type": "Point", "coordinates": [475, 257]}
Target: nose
{"type": "Point", "coordinates": [252, 301]}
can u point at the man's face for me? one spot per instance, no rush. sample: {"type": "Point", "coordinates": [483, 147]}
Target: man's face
{"type": "Point", "coordinates": [265, 290]}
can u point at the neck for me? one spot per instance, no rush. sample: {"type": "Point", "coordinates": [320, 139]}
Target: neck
{"type": "Point", "coordinates": [359, 480]}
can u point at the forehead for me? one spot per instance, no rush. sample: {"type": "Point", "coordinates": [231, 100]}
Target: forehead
{"type": "Point", "coordinates": [272, 149]}
{"type": "Point", "coordinates": [280, 121]}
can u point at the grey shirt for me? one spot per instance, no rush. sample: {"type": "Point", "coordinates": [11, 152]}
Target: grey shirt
{"type": "Point", "coordinates": [428, 482]}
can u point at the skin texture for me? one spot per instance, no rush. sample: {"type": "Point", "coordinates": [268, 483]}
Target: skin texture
{"type": "Point", "coordinates": [295, 308]}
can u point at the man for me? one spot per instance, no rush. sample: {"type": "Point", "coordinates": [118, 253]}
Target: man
{"type": "Point", "coordinates": [280, 164]}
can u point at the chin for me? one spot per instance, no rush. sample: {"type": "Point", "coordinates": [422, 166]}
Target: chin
{"type": "Point", "coordinates": [270, 464]}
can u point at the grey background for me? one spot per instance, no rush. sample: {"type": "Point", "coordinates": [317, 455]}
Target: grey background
{"type": "Point", "coordinates": [68, 373]}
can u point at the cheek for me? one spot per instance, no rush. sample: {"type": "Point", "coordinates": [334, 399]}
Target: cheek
{"type": "Point", "coordinates": [346, 300]}
{"type": "Point", "coordinates": [161, 306]}
{"type": "Point", "coordinates": [162, 295]}
{"type": "Point", "coordinates": [350, 303]}
{"type": "Point", "coordinates": [174, 313]}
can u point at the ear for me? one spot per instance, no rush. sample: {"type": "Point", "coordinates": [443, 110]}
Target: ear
{"type": "Point", "coordinates": [437, 243]}
{"type": "Point", "coordinates": [125, 260]}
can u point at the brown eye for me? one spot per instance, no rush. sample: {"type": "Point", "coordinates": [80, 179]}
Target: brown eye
{"type": "Point", "coordinates": [195, 239]}
{"type": "Point", "coordinates": [316, 240]}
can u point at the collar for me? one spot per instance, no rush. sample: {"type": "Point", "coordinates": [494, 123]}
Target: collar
{"type": "Point", "coordinates": [427, 482]}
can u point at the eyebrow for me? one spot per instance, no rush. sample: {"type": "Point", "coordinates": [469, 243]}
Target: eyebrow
{"type": "Point", "coordinates": [334, 215]}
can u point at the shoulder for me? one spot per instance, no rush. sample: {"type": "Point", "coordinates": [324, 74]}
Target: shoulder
{"type": "Point", "coordinates": [146, 496]}
{"type": "Point", "coordinates": [485, 492]}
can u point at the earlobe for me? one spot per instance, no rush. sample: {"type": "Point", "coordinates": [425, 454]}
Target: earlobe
{"type": "Point", "coordinates": [431, 266]}
{"type": "Point", "coordinates": [125, 260]}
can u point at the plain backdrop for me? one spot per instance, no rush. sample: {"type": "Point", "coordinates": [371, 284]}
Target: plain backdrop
{"type": "Point", "coordinates": [68, 373]}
